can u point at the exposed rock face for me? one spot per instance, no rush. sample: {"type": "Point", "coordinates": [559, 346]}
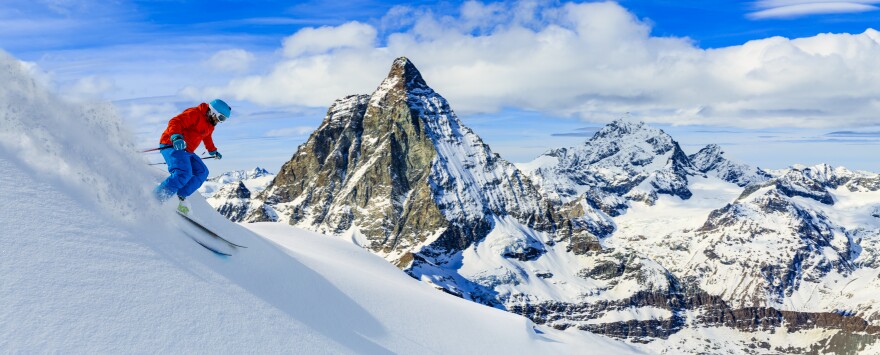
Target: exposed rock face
{"type": "Point", "coordinates": [399, 172]}
{"type": "Point", "coordinates": [233, 201]}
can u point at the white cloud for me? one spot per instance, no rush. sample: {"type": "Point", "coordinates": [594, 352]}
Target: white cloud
{"type": "Point", "coordinates": [798, 10]}
{"type": "Point", "coordinates": [312, 40]}
{"type": "Point", "coordinates": [235, 60]}
{"type": "Point", "coordinates": [592, 60]}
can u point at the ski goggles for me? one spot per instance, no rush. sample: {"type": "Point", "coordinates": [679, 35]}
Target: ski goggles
{"type": "Point", "coordinates": [220, 117]}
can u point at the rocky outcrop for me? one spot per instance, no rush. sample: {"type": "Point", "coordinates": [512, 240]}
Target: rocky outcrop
{"type": "Point", "coordinates": [705, 311]}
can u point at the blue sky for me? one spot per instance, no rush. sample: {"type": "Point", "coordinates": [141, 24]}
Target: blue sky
{"type": "Point", "coordinates": [154, 58]}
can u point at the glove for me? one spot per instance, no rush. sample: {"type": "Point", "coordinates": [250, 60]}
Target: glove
{"type": "Point", "coordinates": [216, 154]}
{"type": "Point", "coordinates": [178, 142]}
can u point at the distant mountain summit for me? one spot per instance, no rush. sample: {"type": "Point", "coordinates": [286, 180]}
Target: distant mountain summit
{"type": "Point", "coordinates": [399, 173]}
{"type": "Point", "coordinates": [711, 160]}
{"type": "Point", "coordinates": [239, 175]}
{"type": "Point", "coordinates": [624, 161]}
{"type": "Point", "coordinates": [232, 200]}
{"type": "Point", "coordinates": [230, 193]}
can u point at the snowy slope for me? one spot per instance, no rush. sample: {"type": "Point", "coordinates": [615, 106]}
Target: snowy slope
{"type": "Point", "coordinates": [86, 268]}
{"type": "Point", "coordinates": [77, 281]}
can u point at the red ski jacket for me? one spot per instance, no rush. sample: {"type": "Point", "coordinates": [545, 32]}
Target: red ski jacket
{"type": "Point", "coordinates": [194, 125]}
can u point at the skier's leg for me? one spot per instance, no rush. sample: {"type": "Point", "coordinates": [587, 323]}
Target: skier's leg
{"type": "Point", "coordinates": [199, 175]}
{"type": "Point", "coordinates": [181, 172]}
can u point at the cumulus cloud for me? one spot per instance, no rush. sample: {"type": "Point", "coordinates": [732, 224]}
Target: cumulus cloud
{"type": "Point", "coordinates": [595, 61]}
{"type": "Point", "coordinates": [236, 60]}
{"type": "Point", "coordinates": [320, 40]}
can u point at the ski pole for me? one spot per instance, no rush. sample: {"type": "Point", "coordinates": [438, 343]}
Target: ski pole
{"type": "Point", "coordinates": [203, 158]}
{"type": "Point", "coordinates": [155, 149]}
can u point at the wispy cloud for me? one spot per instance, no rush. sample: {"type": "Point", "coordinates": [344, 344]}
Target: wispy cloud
{"type": "Point", "coordinates": [785, 9]}
{"type": "Point", "coordinates": [578, 132]}
{"type": "Point", "coordinates": [290, 131]}
{"type": "Point", "coordinates": [854, 134]}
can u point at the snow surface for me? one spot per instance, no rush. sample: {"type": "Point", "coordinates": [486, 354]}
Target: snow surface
{"type": "Point", "coordinates": [87, 266]}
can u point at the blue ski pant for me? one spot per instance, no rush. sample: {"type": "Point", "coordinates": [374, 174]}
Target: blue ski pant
{"type": "Point", "coordinates": [188, 172]}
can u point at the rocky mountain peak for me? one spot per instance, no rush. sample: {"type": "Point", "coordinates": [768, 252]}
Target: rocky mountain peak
{"type": "Point", "coordinates": [623, 156]}
{"type": "Point", "coordinates": [711, 160]}
{"type": "Point", "coordinates": [708, 158]}
{"type": "Point", "coordinates": [406, 179]}
{"type": "Point", "coordinates": [403, 78]}
{"type": "Point", "coordinates": [625, 126]}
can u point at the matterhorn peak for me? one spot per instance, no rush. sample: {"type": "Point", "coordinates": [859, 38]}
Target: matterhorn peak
{"type": "Point", "coordinates": [403, 76]}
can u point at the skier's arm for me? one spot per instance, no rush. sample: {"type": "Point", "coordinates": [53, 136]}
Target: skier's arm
{"type": "Point", "coordinates": [209, 143]}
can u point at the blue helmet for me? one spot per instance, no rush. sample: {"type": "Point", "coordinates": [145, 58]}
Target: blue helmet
{"type": "Point", "coordinates": [220, 106]}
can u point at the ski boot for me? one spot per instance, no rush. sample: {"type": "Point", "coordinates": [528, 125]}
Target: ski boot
{"type": "Point", "coordinates": [183, 207]}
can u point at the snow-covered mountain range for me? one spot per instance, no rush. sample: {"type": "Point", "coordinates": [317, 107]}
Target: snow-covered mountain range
{"type": "Point", "coordinates": [625, 235]}
{"type": "Point", "coordinates": [255, 180]}
{"type": "Point", "coordinates": [230, 193]}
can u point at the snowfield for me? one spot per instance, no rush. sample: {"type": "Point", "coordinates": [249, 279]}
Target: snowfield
{"type": "Point", "coordinates": [90, 264]}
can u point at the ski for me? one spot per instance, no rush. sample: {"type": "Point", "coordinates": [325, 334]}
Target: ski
{"type": "Point", "coordinates": [210, 232]}
{"type": "Point", "coordinates": [215, 251]}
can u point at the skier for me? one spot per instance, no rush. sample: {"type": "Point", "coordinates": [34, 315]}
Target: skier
{"type": "Point", "coordinates": [178, 144]}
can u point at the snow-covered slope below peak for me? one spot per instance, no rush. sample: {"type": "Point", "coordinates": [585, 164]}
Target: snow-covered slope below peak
{"type": "Point", "coordinates": [412, 303]}
{"type": "Point", "coordinates": [647, 229]}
